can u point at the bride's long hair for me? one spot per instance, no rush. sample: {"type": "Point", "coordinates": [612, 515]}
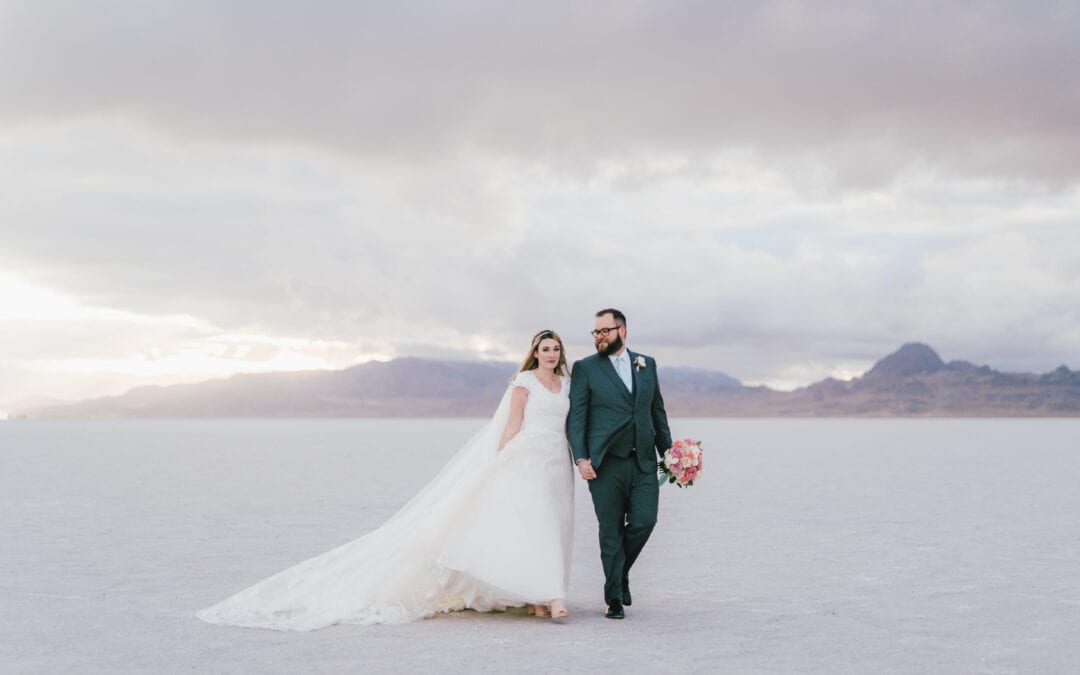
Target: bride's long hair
{"type": "Point", "coordinates": [532, 363]}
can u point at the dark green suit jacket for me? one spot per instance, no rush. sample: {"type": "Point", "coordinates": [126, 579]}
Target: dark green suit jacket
{"type": "Point", "coordinates": [605, 417]}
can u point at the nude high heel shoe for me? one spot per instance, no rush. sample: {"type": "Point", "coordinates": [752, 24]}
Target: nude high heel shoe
{"type": "Point", "coordinates": [559, 610]}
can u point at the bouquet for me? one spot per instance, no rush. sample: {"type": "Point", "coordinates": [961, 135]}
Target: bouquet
{"type": "Point", "coordinates": [682, 463]}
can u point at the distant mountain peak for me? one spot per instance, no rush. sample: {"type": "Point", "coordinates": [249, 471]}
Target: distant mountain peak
{"type": "Point", "coordinates": [914, 358]}
{"type": "Point", "coordinates": [913, 381]}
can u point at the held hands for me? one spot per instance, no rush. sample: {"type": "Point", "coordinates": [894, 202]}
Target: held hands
{"type": "Point", "coordinates": [585, 469]}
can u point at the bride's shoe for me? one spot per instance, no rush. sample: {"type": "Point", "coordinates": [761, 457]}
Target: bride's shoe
{"type": "Point", "coordinates": [559, 610]}
{"type": "Point", "coordinates": [542, 612]}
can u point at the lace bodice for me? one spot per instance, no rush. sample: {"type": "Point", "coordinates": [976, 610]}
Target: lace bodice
{"type": "Point", "coordinates": [545, 411]}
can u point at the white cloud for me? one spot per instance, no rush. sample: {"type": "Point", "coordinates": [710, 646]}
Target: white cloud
{"type": "Point", "coordinates": [52, 345]}
{"type": "Point", "coordinates": [780, 193]}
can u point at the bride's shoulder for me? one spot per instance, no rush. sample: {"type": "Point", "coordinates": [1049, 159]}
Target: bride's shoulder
{"type": "Point", "coordinates": [524, 379]}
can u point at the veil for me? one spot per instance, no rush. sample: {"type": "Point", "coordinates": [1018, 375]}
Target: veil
{"type": "Point", "coordinates": [390, 575]}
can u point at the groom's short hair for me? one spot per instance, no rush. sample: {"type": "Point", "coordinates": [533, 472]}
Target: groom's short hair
{"type": "Point", "coordinates": [620, 318]}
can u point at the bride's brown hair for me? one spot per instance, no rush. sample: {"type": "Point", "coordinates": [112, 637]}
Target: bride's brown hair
{"type": "Point", "coordinates": [532, 363]}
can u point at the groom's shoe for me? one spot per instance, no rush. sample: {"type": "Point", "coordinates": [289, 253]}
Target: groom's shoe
{"type": "Point", "coordinates": [626, 591]}
{"type": "Point", "coordinates": [615, 610]}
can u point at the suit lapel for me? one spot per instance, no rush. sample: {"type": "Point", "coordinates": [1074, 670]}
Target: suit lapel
{"type": "Point", "coordinates": [605, 365]}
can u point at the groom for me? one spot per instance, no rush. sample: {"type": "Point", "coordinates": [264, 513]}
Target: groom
{"type": "Point", "coordinates": [617, 428]}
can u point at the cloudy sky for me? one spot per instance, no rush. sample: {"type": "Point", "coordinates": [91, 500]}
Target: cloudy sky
{"type": "Point", "coordinates": [777, 190]}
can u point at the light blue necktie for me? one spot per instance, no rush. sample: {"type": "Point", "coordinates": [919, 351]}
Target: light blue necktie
{"type": "Point", "coordinates": [624, 371]}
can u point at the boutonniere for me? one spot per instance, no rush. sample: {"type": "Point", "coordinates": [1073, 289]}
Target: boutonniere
{"type": "Point", "coordinates": [639, 363]}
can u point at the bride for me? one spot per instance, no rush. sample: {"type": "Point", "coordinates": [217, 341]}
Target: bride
{"type": "Point", "coordinates": [494, 529]}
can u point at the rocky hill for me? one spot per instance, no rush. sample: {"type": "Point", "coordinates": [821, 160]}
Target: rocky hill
{"type": "Point", "coordinates": [913, 381]}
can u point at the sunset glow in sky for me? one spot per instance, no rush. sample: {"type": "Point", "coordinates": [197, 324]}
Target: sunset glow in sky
{"type": "Point", "coordinates": [777, 190]}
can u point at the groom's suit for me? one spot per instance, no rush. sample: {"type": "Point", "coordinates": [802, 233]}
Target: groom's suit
{"type": "Point", "coordinates": [623, 433]}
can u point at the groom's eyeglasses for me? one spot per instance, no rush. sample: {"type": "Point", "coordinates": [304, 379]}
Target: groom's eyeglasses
{"type": "Point", "coordinates": [603, 332]}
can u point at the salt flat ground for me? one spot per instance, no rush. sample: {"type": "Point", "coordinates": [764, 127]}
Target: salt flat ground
{"type": "Point", "coordinates": [827, 546]}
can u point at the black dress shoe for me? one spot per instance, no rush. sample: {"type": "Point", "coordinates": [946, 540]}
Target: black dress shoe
{"type": "Point", "coordinates": [615, 611]}
{"type": "Point", "coordinates": [626, 591]}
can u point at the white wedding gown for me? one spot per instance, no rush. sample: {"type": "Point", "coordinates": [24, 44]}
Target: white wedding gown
{"type": "Point", "coordinates": [491, 530]}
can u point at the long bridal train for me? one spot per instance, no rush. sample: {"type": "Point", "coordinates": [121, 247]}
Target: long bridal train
{"type": "Point", "coordinates": [491, 530]}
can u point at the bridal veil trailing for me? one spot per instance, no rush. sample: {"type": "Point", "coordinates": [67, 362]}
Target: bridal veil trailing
{"type": "Point", "coordinates": [491, 530]}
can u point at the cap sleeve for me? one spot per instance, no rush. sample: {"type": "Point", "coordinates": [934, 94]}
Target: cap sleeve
{"type": "Point", "coordinates": [524, 379]}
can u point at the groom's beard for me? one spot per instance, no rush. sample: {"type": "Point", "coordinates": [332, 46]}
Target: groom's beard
{"type": "Point", "coordinates": [612, 347]}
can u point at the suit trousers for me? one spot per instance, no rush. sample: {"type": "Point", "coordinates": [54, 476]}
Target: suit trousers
{"type": "Point", "coordinates": [625, 498]}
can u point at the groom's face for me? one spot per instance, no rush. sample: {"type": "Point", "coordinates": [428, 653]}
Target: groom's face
{"type": "Point", "coordinates": [613, 341]}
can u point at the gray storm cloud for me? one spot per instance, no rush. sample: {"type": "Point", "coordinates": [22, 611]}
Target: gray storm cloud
{"type": "Point", "coordinates": [977, 88]}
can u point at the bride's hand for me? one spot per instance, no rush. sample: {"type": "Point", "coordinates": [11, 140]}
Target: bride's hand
{"type": "Point", "coordinates": [585, 469]}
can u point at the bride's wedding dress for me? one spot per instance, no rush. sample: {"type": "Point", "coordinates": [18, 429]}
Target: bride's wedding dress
{"type": "Point", "coordinates": [491, 530]}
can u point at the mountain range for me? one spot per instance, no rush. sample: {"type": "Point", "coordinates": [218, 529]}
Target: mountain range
{"type": "Point", "coordinates": [913, 381]}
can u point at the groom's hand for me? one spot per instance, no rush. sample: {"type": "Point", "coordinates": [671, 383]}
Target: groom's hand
{"type": "Point", "coordinates": [584, 467]}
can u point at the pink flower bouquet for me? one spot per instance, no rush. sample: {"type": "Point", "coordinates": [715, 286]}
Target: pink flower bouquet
{"type": "Point", "coordinates": [682, 463]}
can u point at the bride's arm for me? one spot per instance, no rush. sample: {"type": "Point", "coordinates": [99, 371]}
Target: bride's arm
{"type": "Point", "coordinates": [517, 414]}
